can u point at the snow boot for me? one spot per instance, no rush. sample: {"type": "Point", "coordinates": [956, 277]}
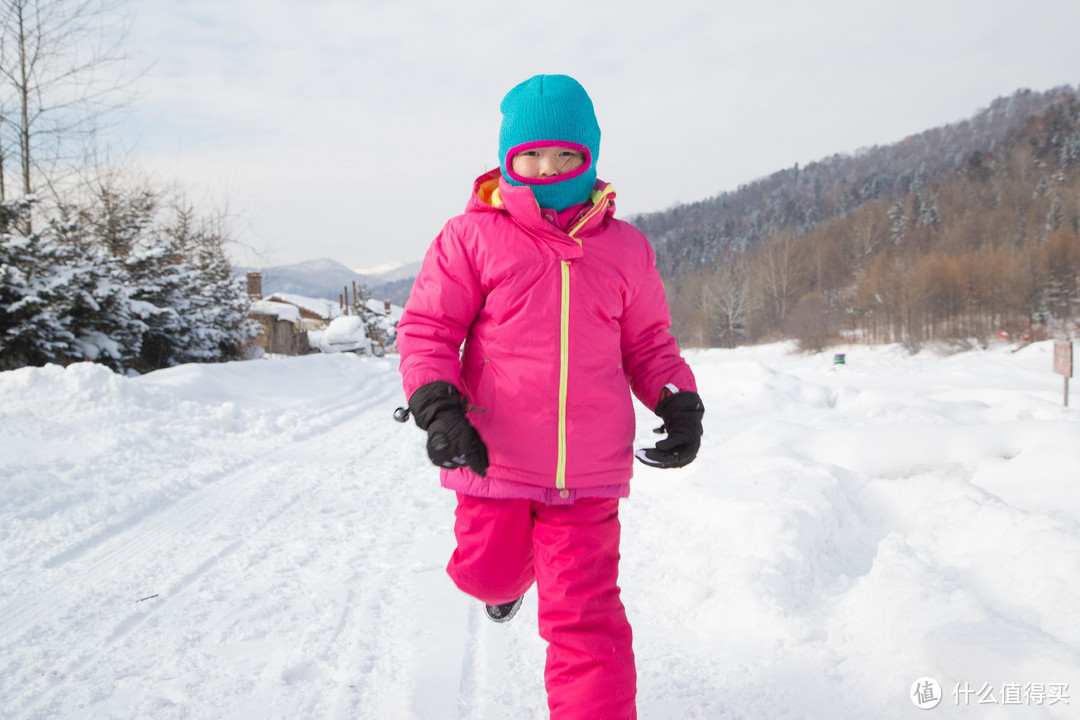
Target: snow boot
{"type": "Point", "coordinates": [505, 612]}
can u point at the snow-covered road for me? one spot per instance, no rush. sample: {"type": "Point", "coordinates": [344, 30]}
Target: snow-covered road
{"type": "Point", "coordinates": [261, 540]}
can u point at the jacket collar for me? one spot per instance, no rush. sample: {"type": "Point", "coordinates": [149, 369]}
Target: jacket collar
{"type": "Point", "coordinates": [491, 193]}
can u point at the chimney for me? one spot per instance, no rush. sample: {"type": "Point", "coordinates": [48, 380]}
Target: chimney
{"type": "Point", "coordinates": [254, 286]}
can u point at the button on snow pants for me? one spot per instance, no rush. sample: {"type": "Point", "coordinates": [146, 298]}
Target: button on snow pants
{"type": "Point", "coordinates": [572, 553]}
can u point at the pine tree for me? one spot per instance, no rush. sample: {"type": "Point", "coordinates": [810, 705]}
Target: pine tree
{"type": "Point", "coordinates": [216, 319]}
{"type": "Point", "coordinates": [156, 276]}
{"type": "Point", "coordinates": [96, 301]}
{"type": "Point", "coordinates": [33, 328]}
{"type": "Point", "coordinates": [118, 280]}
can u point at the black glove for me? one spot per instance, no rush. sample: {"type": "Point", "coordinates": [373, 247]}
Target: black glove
{"type": "Point", "coordinates": [682, 413]}
{"type": "Point", "coordinates": [452, 441]}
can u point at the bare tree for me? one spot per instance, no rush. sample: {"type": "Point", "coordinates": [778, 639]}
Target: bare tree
{"type": "Point", "coordinates": [57, 63]}
{"type": "Point", "coordinates": [808, 323]}
{"type": "Point", "coordinates": [729, 287]}
{"type": "Point", "coordinates": [777, 266]}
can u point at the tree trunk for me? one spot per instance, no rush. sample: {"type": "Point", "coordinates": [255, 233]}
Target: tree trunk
{"type": "Point", "coordinates": [24, 101]}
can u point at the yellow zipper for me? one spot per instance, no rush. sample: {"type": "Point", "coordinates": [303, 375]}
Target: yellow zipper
{"type": "Point", "coordinates": [600, 201]}
{"type": "Point", "coordinates": [564, 374]}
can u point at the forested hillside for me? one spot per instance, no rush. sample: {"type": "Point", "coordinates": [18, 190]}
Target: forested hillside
{"type": "Point", "coordinates": [957, 233]}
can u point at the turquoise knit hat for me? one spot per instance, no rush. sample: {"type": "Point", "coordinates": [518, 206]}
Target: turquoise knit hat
{"type": "Point", "coordinates": [550, 110]}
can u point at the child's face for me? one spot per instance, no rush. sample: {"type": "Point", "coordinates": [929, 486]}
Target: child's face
{"type": "Point", "coordinates": [546, 162]}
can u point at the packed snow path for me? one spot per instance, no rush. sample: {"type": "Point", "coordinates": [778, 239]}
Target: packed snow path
{"type": "Point", "coordinates": [261, 540]}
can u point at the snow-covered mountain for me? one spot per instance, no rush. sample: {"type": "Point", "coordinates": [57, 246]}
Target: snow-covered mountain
{"type": "Point", "coordinates": [325, 278]}
{"type": "Point", "coordinates": [389, 272]}
{"type": "Point", "coordinates": [261, 540]}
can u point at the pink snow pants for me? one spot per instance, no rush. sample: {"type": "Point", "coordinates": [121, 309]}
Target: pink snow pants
{"type": "Point", "coordinates": [572, 553]}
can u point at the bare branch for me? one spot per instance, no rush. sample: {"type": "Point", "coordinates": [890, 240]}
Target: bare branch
{"type": "Point", "coordinates": [59, 82]}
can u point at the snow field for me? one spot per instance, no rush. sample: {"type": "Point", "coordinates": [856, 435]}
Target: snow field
{"type": "Point", "coordinates": [260, 539]}
{"type": "Point", "coordinates": [845, 544]}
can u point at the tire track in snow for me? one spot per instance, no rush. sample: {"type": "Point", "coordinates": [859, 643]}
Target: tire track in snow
{"type": "Point", "coordinates": [164, 533]}
{"type": "Point", "coordinates": [118, 543]}
{"type": "Point", "coordinates": [384, 636]}
{"type": "Point", "coordinates": [117, 549]}
{"type": "Point", "coordinates": [471, 677]}
{"type": "Point", "coordinates": [96, 601]}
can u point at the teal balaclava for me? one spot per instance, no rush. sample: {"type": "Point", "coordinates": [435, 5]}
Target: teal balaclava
{"type": "Point", "coordinates": [550, 110]}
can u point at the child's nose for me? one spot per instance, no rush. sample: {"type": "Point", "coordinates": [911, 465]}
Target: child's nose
{"type": "Point", "coordinates": [549, 167]}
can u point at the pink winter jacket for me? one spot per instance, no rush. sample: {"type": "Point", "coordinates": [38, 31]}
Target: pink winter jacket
{"type": "Point", "coordinates": [558, 328]}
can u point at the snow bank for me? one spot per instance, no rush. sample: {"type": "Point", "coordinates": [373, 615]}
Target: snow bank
{"type": "Point", "coordinates": [260, 539]}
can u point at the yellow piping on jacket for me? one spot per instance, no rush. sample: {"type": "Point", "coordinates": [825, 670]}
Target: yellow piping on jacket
{"type": "Point", "coordinates": [600, 199]}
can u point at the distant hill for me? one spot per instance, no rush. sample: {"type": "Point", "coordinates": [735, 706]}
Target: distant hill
{"type": "Point", "coordinates": [799, 199]}
{"type": "Point", "coordinates": [326, 278]}
{"type": "Point", "coordinates": [960, 232]}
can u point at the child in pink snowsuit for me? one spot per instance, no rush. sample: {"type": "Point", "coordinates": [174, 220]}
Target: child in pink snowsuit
{"type": "Point", "coordinates": [562, 314]}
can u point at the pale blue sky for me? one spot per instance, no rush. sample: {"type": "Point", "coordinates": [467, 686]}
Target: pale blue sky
{"type": "Point", "coordinates": [352, 129]}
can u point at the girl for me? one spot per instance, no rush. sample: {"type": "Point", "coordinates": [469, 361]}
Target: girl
{"type": "Point", "coordinates": [562, 314]}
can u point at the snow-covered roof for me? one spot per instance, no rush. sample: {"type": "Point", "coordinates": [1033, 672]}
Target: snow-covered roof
{"type": "Point", "coordinates": [323, 308]}
{"type": "Point", "coordinates": [282, 311]}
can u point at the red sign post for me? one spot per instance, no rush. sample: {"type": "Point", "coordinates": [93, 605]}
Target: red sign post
{"type": "Point", "coordinates": [1063, 363]}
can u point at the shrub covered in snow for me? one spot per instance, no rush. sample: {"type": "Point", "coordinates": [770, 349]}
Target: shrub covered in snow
{"type": "Point", "coordinates": [125, 280]}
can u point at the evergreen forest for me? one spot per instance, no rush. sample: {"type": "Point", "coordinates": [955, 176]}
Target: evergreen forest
{"type": "Point", "coordinates": [95, 263]}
